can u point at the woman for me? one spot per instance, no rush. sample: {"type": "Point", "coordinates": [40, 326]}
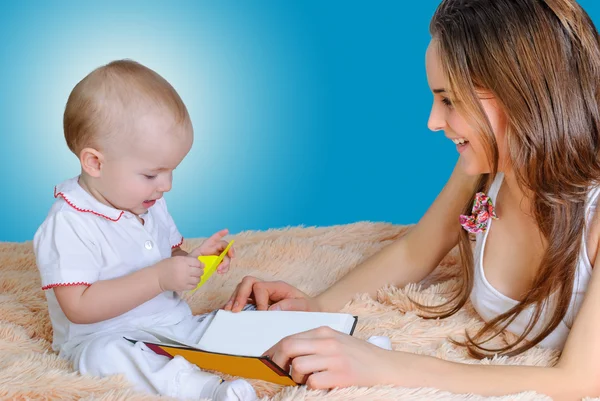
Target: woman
{"type": "Point", "coordinates": [516, 87]}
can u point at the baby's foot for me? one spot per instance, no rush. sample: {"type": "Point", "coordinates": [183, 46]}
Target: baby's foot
{"type": "Point", "coordinates": [236, 390]}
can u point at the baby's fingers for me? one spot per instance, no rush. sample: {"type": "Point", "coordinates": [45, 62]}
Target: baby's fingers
{"type": "Point", "coordinates": [231, 252]}
{"type": "Point", "coordinates": [197, 272]}
{"type": "Point", "coordinates": [224, 266]}
{"type": "Point", "coordinates": [220, 247]}
{"type": "Point", "coordinates": [216, 239]}
{"type": "Point", "coordinates": [195, 262]}
{"type": "Point", "coordinates": [193, 282]}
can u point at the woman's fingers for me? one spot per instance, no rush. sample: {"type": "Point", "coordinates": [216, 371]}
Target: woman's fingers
{"type": "Point", "coordinates": [303, 366]}
{"type": "Point", "coordinates": [286, 296]}
{"type": "Point", "coordinates": [241, 294]}
{"type": "Point", "coordinates": [261, 296]}
{"type": "Point", "coordinates": [229, 302]}
{"type": "Point", "coordinates": [322, 380]}
{"type": "Point", "coordinates": [319, 341]}
{"type": "Point", "coordinates": [289, 348]}
{"type": "Point", "coordinates": [266, 293]}
{"type": "Point", "coordinates": [291, 304]}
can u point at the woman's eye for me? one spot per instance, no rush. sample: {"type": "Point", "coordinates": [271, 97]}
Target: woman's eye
{"type": "Point", "coordinates": [150, 177]}
{"type": "Point", "coordinates": [446, 102]}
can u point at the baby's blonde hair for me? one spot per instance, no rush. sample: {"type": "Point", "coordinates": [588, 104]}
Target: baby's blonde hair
{"type": "Point", "coordinates": [100, 103]}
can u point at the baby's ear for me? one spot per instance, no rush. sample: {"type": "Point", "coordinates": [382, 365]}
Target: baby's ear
{"type": "Point", "coordinates": [91, 161]}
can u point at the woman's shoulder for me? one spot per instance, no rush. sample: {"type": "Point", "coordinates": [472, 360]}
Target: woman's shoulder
{"type": "Point", "coordinates": [592, 223]}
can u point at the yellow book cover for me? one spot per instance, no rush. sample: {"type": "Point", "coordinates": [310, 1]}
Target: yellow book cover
{"type": "Point", "coordinates": [250, 367]}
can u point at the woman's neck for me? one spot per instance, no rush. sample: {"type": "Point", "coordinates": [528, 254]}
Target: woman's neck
{"type": "Point", "coordinates": [515, 197]}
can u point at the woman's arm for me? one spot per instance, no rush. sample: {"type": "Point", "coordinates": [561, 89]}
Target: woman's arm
{"type": "Point", "coordinates": [342, 360]}
{"type": "Point", "coordinates": [409, 259]}
{"type": "Point", "coordinates": [576, 375]}
{"type": "Point", "coordinates": [494, 380]}
{"type": "Point", "coordinates": [416, 254]}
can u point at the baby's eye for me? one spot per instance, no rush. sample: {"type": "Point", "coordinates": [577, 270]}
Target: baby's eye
{"type": "Point", "coordinates": [150, 177]}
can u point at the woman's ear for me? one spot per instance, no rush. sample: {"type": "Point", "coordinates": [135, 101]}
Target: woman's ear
{"type": "Point", "coordinates": [91, 161]}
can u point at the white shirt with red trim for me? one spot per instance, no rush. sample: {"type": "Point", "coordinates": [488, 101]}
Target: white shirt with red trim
{"type": "Point", "coordinates": [83, 241]}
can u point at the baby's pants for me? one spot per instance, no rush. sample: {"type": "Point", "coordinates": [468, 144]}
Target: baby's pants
{"type": "Point", "coordinates": [110, 353]}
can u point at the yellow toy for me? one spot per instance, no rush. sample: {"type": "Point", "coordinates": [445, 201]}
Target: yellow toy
{"type": "Point", "coordinates": [211, 262]}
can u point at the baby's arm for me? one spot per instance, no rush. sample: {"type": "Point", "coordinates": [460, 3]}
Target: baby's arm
{"type": "Point", "coordinates": [177, 251]}
{"type": "Point", "coordinates": [71, 261]}
{"type": "Point", "coordinates": [106, 299]}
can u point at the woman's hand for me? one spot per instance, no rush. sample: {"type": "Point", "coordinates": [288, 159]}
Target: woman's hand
{"type": "Point", "coordinates": [324, 358]}
{"type": "Point", "coordinates": [270, 295]}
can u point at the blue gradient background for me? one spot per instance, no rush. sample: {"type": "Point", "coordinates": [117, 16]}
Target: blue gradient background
{"type": "Point", "coordinates": [305, 113]}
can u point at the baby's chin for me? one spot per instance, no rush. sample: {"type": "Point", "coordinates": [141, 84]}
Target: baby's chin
{"type": "Point", "coordinates": [139, 210]}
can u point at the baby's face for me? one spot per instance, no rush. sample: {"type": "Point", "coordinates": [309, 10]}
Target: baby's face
{"type": "Point", "coordinates": [139, 165]}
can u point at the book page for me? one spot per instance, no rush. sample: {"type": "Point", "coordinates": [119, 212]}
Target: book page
{"type": "Point", "coordinates": [168, 339]}
{"type": "Point", "coordinates": [251, 333]}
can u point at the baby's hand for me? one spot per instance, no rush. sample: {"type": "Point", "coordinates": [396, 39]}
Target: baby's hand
{"type": "Point", "coordinates": [179, 273]}
{"type": "Point", "coordinates": [214, 246]}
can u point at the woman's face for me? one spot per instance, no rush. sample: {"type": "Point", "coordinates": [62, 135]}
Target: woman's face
{"type": "Point", "coordinates": [444, 117]}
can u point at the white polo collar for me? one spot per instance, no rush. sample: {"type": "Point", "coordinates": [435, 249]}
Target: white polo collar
{"type": "Point", "coordinates": [82, 201]}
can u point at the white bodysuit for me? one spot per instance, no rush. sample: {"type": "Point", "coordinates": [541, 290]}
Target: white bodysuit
{"type": "Point", "coordinates": [82, 241]}
{"type": "Point", "coordinates": [489, 302]}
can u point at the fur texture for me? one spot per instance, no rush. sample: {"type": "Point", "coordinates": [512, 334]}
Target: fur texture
{"type": "Point", "coordinates": [310, 258]}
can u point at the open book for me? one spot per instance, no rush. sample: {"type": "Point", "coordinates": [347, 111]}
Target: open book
{"type": "Point", "coordinates": [234, 343]}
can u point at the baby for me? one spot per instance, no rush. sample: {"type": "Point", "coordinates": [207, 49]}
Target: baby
{"type": "Point", "coordinates": [109, 252]}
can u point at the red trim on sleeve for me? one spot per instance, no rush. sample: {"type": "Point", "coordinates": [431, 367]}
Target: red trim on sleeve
{"type": "Point", "coordinates": [175, 246]}
{"type": "Point", "coordinates": [49, 286]}
{"type": "Point", "coordinates": [57, 194]}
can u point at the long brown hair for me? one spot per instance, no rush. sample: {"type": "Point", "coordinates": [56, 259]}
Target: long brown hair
{"type": "Point", "coordinates": [541, 60]}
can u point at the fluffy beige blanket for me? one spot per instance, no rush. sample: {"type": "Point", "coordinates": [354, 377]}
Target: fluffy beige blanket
{"type": "Point", "coordinates": [310, 258]}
